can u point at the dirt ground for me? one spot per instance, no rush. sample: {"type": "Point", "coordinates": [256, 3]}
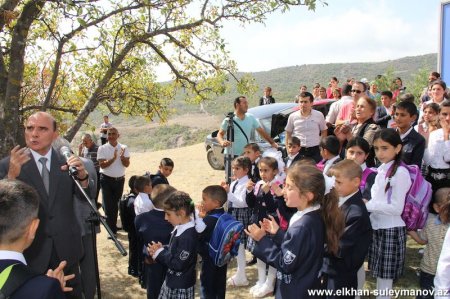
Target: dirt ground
{"type": "Point", "coordinates": [191, 174]}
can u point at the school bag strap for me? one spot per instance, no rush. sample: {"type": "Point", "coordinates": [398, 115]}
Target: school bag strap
{"type": "Point", "coordinates": [240, 128]}
{"type": "Point", "coordinates": [13, 277]}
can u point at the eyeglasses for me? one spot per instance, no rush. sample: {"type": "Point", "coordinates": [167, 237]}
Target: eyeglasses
{"type": "Point", "coordinates": [357, 91]}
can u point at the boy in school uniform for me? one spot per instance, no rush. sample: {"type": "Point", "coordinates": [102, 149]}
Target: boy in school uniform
{"type": "Point", "coordinates": [151, 226]}
{"type": "Point", "coordinates": [18, 224]}
{"type": "Point", "coordinates": [143, 203]}
{"type": "Point", "coordinates": [213, 279]}
{"type": "Point", "coordinates": [293, 150]}
{"type": "Point", "coordinates": [341, 271]}
{"type": "Point", "coordinates": [165, 170]}
{"type": "Point", "coordinates": [128, 226]}
{"type": "Point", "coordinates": [329, 150]}
{"type": "Point", "coordinates": [253, 152]}
{"type": "Point", "coordinates": [413, 147]}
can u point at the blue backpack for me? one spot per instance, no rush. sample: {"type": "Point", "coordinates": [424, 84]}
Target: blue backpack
{"type": "Point", "coordinates": [225, 239]}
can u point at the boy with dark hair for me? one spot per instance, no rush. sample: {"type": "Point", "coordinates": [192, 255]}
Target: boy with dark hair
{"type": "Point", "coordinates": [213, 279]}
{"type": "Point", "coordinates": [340, 272]}
{"type": "Point", "coordinates": [413, 143]}
{"type": "Point", "coordinates": [151, 226]}
{"type": "Point", "coordinates": [143, 203]}
{"type": "Point", "coordinates": [165, 170]}
{"type": "Point", "coordinates": [293, 150]}
{"type": "Point", "coordinates": [18, 224]}
{"type": "Point", "coordinates": [385, 111]}
{"type": "Point", "coordinates": [253, 152]}
{"type": "Point", "coordinates": [329, 150]}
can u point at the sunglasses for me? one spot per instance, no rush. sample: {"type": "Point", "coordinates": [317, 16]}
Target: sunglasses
{"type": "Point", "coordinates": [357, 91]}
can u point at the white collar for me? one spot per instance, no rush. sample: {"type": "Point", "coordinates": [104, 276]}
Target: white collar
{"type": "Point", "coordinates": [403, 136]}
{"type": "Point", "coordinates": [297, 216]}
{"type": "Point", "coordinates": [332, 160]}
{"type": "Point", "coordinates": [363, 166]}
{"type": "Point", "coordinates": [161, 210]}
{"type": "Point", "coordinates": [37, 156]}
{"type": "Point", "coordinates": [242, 180]}
{"type": "Point", "coordinates": [342, 200]}
{"type": "Point", "coordinates": [293, 156]}
{"type": "Point", "coordinates": [144, 195]}
{"type": "Point", "coordinates": [12, 255]}
{"type": "Point", "coordinates": [383, 168]}
{"type": "Point", "coordinates": [182, 227]}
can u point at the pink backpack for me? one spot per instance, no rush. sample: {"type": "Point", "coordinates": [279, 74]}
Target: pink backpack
{"type": "Point", "coordinates": [415, 212]}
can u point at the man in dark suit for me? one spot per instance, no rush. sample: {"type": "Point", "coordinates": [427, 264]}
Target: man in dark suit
{"type": "Point", "coordinates": [19, 223]}
{"type": "Point", "coordinates": [384, 113]}
{"type": "Point", "coordinates": [267, 98]}
{"type": "Point", "coordinates": [58, 237]}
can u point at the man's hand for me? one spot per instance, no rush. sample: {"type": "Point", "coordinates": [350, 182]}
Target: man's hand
{"type": "Point", "coordinates": [79, 165]}
{"type": "Point", "coordinates": [19, 156]}
{"type": "Point", "coordinates": [58, 274]}
{"type": "Point", "coordinates": [225, 143]}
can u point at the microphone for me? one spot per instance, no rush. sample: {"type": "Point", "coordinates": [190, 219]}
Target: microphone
{"type": "Point", "coordinates": [67, 153]}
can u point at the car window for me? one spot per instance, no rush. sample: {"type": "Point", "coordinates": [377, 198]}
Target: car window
{"type": "Point", "coordinates": [266, 124]}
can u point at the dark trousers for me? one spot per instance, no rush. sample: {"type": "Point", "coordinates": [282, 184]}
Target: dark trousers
{"type": "Point", "coordinates": [311, 152]}
{"type": "Point", "coordinates": [426, 283]}
{"type": "Point", "coordinates": [154, 278]}
{"type": "Point", "coordinates": [342, 282]}
{"type": "Point", "coordinates": [112, 190]}
{"type": "Point", "coordinates": [87, 267]}
{"type": "Point", "coordinates": [133, 260]}
{"type": "Point", "coordinates": [104, 140]}
{"type": "Point", "coordinates": [213, 280]}
{"type": "Point", "coordinates": [74, 283]}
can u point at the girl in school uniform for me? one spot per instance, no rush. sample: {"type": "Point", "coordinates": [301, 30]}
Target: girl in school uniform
{"type": "Point", "coordinates": [261, 197]}
{"type": "Point", "coordinates": [387, 251]}
{"type": "Point", "coordinates": [180, 256]}
{"type": "Point", "coordinates": [241, 167]}
{"type": "Point", "coordinates": [297, 253]}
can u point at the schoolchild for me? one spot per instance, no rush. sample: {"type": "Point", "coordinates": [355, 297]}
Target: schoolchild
{"type": "Point", "coordinates": [329, 151]}
{"type": "Point", "coordinates": [433, 237]}
{"type": "Point", "coordinates": [293, 150]}
{"type": "Point", "coordinates": [236, 196]}
{"type": "Point", "coordinates": [340, 272]}
{"type": "Point", "coordinates": [297, 253]}
{"type": "Point", "coordinates": [180, 256]}
{"type": "Point", "coordinates": [134, 267]}
{"type": "Point", "coordinates": [19, 221]}
{"type": "Point", "coordinates": [213, 279]}
{"type": "Point", "coordinates": [143, 203]}
{"type": "Point", "coordinates": [262, 197]}
{"type": "Point", "coordinates": [442, 278]}
{"type": "Point", "coordinates": [151, 226]}
{"type": "Point", "coordinates": [413, 143]}
{"type": "Point", "coordinates": [358, 149]}
{"type": "Point", "coordinates": [388, 248]}
{"type": "Point", "coordinates": [253, 152]}
{"type": "Point", "coordinates": [165, 170]}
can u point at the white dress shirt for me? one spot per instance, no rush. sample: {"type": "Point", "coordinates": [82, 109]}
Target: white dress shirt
{"type": "Point", "coordinates": [12, 255]}
{"type": "Point", "coordinates": [237, 198]}
{"type": "Point", "coordinates": [385, 212]}
{"type": "Point", "coordinates": [106, 152]}
{"type": "Point", "coordinates": [437, 154]}
{"type": "Point", "coordinates": [142, 203]}
{"type": "Point", "coordinates": [329, 163]}
{"type": "Point", "coordinates": [37, 156]}
{"type": "Point", "coordinates": [299, 214]}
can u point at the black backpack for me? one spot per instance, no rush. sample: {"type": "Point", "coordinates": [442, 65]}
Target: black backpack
{"type": "Point", "coordinates": [126, 210]}
{"type": "Point", "coordinates": [18, 275]}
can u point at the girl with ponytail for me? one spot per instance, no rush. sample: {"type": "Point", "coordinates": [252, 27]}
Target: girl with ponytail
{"type": "Point", "coordinates": [392, 182]}
{"type": "Point", "coordinates": [297, 253]}
{"type": "Point", "coordinates": [180, 256]}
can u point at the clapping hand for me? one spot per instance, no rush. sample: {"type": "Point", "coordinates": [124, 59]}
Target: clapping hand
{"type": "Point", "coordinates": [250, 185]}
{"type": "Point", "coordinates": [153, 247]}
{"type": "Point", "coordinates": [265, 187]}
{"type": "Point", "coordinates": [270, 225]}
{"type": "Point", "coordinates": [255, 232]}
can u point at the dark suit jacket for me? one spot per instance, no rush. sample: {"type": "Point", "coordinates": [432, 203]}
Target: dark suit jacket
{"type": "Point", "coordinates": [38, 287]}
{"type": "Point", "coordinates": [296, 158]}
{"type": "Point", "coordinates": [383, 117]}
{"type": "Point", "coordinates": [354, 243]}
{"type": "Point", "coordinates": [58, 226]}
{"type": "Point", "coordinates": [158, 178]}
{"type": "Point", "coordinates": [413, 148]}
{"type": "Point", "coordinates": [271, 100]}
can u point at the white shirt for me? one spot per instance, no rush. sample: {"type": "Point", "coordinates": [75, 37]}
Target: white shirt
{"type": "Point", "coordinates": [342, 200]}
{"type": "Point", "coordinates": [142, 203]}
{"type": "Point", "coordinates": [106, 152]}
{"type": "Point", "coordinates": [306, 128]}
{"type": "Point", "coordinates": [442, 278]}
{"type": "Point", "coordinates": [37, 156]}
{"type": "Point", "coordinates": [297, 216]}
{"type": "Point", "coordinates": [403, 136]}
{"type": "Point", "coordinates": [290, 159]}
{"type": "Point", "coordinates": [335, 107]}
{"type": "Point", "coordinates": [329, 163]}
{"type": "Point", "coordinates": [12, 255]}
{"type": "Point", "coordinates": [437, 154]}
{"type": "Point", "coordinates": [240, 192]}
{"type": "Point", "coordinates": [385, 213]}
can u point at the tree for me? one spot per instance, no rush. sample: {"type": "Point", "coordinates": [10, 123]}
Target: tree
{"type": "Point", "coordinates": [69, 56]}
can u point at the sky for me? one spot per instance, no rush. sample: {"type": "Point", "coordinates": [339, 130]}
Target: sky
{"type": "Point", "coordinates": [342, 31]}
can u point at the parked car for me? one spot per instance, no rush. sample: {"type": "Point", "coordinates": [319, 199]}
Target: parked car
{"type": "Point", "coordinates": [273, 118]}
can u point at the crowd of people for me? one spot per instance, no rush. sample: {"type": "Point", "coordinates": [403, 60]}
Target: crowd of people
{"type": "Point", "coordinates": [311, 218]}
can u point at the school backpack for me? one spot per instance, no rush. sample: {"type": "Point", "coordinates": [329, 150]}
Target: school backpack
{"type": "Point", "coordinates": [225, 239]}
{"type": "Point", "coordinates": [126, 210]}
{"type": "Point", "coordinates": [368, 171]}
{"type": "Point", "coordinates": [415, 212]}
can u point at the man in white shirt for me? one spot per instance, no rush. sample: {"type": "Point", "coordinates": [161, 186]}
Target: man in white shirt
{"type": "Point", "coordinates": [113, 158]}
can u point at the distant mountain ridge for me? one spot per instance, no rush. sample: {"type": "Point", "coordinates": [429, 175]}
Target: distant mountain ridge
{"type": "Point", "coordinates": [285, 81]}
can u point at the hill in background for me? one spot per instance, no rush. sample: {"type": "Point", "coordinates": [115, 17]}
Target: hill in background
{"type": "Point", "coordinates": [191, 123]}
